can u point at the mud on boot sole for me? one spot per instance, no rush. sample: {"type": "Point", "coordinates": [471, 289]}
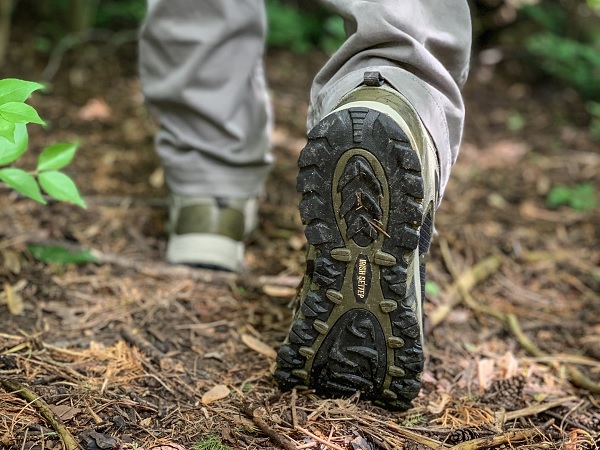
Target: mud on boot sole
{"type": "Point", "coordinates": [359, 324]}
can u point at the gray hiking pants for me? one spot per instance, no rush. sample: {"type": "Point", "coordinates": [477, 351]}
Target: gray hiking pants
{"type": "Point", "coordinates": [202, 74]}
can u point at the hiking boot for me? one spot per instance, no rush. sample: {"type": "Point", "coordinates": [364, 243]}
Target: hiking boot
{"type": "Point", "coordinates": [368, 178]}
{"type": "Point", "coordinates": [209, 232]}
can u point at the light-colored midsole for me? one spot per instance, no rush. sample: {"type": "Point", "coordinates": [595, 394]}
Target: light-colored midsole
{"type": "Point", "coordinates": [209, 249]}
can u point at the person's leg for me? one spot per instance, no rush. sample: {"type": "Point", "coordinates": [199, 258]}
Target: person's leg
{"type": "Point", "coordinates": [421, 47]}
{"type": "Point", "coordinates": [371, 179]}
{"type": "Point", "coordinates": [202, 74]}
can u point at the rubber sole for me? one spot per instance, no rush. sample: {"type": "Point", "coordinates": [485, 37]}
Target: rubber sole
{"type": "Point", "coordinates": [359, 325]}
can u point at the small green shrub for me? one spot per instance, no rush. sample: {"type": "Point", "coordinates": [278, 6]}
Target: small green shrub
{"type": "Point", "coordinates": [566, 44]}
{"type": "Point", "coordinates": [211, 442]}
{"type": "Point", "coordinates": [594, 109]}
{"type": "Point", "coordinates": [581, 197]}
{"type": "Point", "coordinates": [577, 63]}
{"type": "Point", "coordinates": [15, 114]}
{"type": "Point", "coordinates": [301, 31]}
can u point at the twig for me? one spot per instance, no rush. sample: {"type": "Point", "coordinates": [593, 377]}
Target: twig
{"type": "Point", "coordinates": [463, 283]}
{"type": "Point", "coordinates": [142, 344]}
{"type": "Point", "coordinates": [22, 391]}
{"type": "Point", "coordinates": [576, 377]}
{"type": "Point", "coordinates": [571, 411]}
{"type": "Point", "coordinates": [493, 441]}
{"type": "Point", "coordinates": [318, 439]}
{"type": "Point", "coordinates": [406, 433]}
{"type": "Point", "coordinates": [293, 408]}
{"type": "Point", "coordinates": [536, 409]}
{"type": "Point", "coordinates": [266, 429]}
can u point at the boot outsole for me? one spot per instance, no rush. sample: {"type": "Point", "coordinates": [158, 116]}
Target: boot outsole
{"type": "Point", "coordinates": [359, 326]}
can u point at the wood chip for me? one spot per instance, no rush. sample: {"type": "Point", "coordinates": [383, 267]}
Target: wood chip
{"type": "Point", "coordinates": [12, 261]}
{"type": "Point", "coordinates": [65, 412]}
{"type": "Point", "coordinates": [259, 346]}
{"type": "Point", "coordinates": [279, 291]}
{"type": "Point", "coordinates": [13, 300]}
{"type": "Point", "coordinates": [219, 392]}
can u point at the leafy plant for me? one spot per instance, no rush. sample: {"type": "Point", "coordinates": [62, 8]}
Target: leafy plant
{"type": "Point", "coordinates": [594, 109]}
{"type": "Point", "coordinates": [211, 442]}
{"type": "Point", "coordinates": [60, 255]}
{"type": "Point", "coordinates": [581, 197]}
{"type": "Point", "coordinates": [515, 121]}
{"type": "Point", "coordinates": [15, 114]}
{"type": "Point", "coordinates": [301, 31]}
{"type": "Point", "coordinates": [432, 288]}
{"type": "Point", "coordinates": [567, 46]}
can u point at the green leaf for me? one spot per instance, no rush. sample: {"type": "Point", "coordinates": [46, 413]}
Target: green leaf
{"type": "Point", "coordinates": [60, 255]}
{"type": "Point", "coordinates": [10, 151]}
{"type": "Point", "coordinates": [583, 197]}
{"type": "Point", "coordinates": [61, 187]}
{"type": "Point", "coordinates": [22, 182]}
{"type": "Point", "coordinates": [13, 90]}
{"type": "Point", "coordinates": [20, 113]}
{"type": "Point", "coordinates": [56, 156]}
{"type": "Point", "coordinates": [558, 196]}
{"type": "Point", "coordinates": [431, 288]}
{"type": "Point", "coordinates": [7, 130]}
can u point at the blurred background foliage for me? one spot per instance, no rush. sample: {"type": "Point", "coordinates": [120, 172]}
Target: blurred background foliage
{"type": "Point", "coordinates": [531, 40]}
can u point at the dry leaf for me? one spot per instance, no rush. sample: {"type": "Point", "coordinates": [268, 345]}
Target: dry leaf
{"type": "Point", "coordinates": [95, 109]}
{"type": "Point", "coordinates": [12, 262]}
{"type": "Point", "coordinates": [220, 391]}
{"type": "Point", "coordinates": [157, 178]}
{"type": "Point", "coordinates": [13, 300]}
{"type": "Point", "coordinates": [279, 291]}
{"type": "Point", "coordinates": [485, 373]}
{"type": "Point", "coordinates": [438, 408]}
{"type": "Point", "coordinates": [65, 412]}
{"type": "Point", "coordinates": [259, 346]}
{"type": "Point", "coordinates": [146, 422]}
{"type": "Point", "coordinates": [508, 365]}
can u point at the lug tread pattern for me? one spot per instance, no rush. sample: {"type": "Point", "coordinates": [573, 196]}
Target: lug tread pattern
{"type": "Point", "coordinates": [361, 190]}
{"type": "Point", "coordinates": [352, 354]}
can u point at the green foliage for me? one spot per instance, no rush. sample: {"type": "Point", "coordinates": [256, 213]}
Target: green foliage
{"type": "Point", "coordinates": [120, 13]}
{"type": "Point", "coordinates": [566, 52]}
{"type": "Point", "coordinates": [594, 109]}
{"type": "Point", "coordinates": [60, 255]}
{"type": "Point", "coordinates": [413, 420]}
{"type": "Point", "coordinates": [301, 31]}
{"type": "Point", "coordinates": [14, 117]}
{"type": "Point", "coordinates": [432, 289]}
{"type": "Point", "coordinates": [575, 62]}
{"type": "Point", "coordinates": [515, 121]}
{"type": "Point", "coordinates": [211, 442]}
{"type": "Point", "coordinates": [581, 197]}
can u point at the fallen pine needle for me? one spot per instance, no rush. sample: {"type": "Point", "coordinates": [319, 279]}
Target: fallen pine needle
{"type": "Point", "coordinates": [536, 409]}
{"type": "Point", "coordinates": [318, 439]}
{"type": "Point", "coordinates": [406, 433]}
{"type": "Point", "coordinates": [493, 441]}
{"type": "Point", "coordinates": [463, 283]}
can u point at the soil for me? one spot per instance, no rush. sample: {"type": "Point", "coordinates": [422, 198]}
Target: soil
{"type": "Point", "coordinates": [130, 353]}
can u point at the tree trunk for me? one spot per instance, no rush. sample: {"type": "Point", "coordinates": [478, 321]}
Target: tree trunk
{"type": "Point", "coordinates": [82, 14]}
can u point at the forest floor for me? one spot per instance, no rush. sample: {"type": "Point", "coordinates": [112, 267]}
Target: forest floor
{"type": "Point", "coordinates": [130, 353]}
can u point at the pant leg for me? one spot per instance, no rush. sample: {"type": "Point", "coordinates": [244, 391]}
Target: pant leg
{"type": "Point", "coordinates": [421, 47]}
{"type": "Point", "coordinates": [202, 74]}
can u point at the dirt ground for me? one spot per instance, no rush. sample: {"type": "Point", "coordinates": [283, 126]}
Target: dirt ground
{"type": "Point", "coordinates": [129, 353]}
